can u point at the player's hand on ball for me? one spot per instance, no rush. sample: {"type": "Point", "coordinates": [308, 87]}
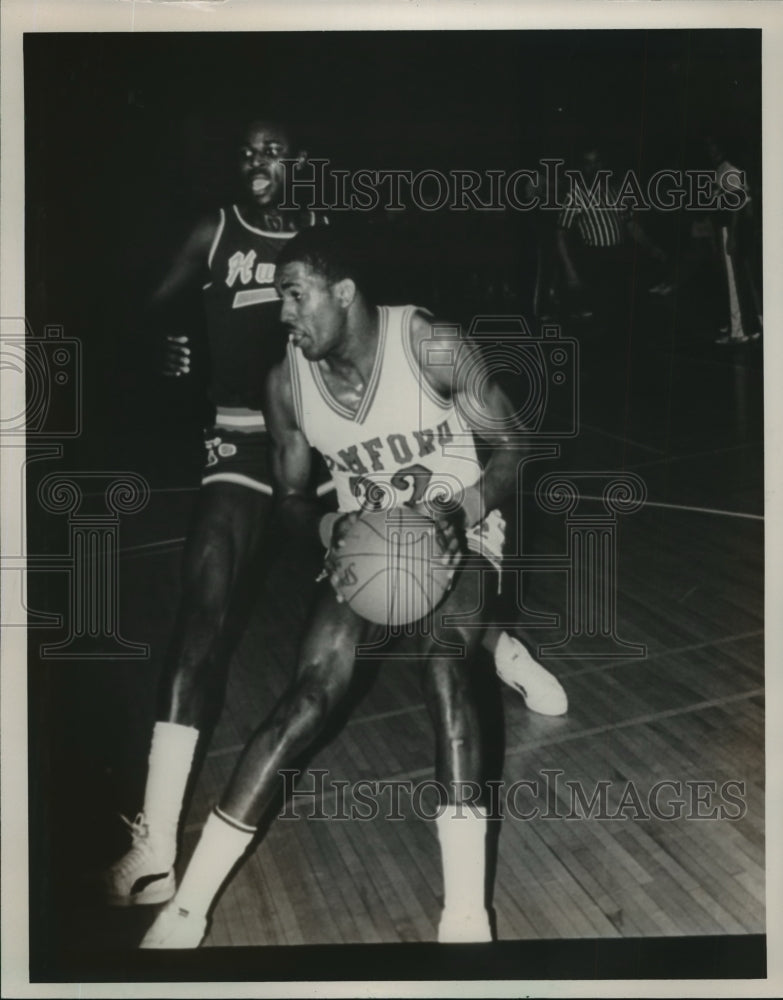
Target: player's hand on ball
{"type": "Point", "coordinates": [176, 356]}
{"type": "Point", "coordinates": [449, 531]}
{"type": "Point", "coordinates": [333, 529]}
{"type": "Point", "coordinates": [342, 527]}
{"type": "Point", "coordinates": [449, 527]}
{"type": "Point", "coordinates": [392, 567]}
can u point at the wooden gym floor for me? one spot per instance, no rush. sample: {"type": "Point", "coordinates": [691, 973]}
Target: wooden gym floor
{"type": "Point", "coordinates": [684, 415]}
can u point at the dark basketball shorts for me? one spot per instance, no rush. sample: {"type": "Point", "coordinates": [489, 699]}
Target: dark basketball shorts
{"type": "Point", "coordinates": [244, 457]}
{"type": "Point", "coordinates": [238, 456]}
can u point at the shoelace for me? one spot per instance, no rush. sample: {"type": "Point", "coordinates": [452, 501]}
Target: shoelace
{"type": "Point", "coordinates": [139, 831]}
{"type": "Point", "coordinates": [139, 828]}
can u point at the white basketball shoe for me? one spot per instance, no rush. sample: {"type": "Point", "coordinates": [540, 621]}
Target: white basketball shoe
{"type": "Point", "coordinates": [542, 691]}
{"type": "Point", "coordinates": [144, 875]}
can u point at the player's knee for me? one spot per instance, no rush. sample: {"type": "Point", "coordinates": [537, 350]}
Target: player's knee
{"type": "Point", "coordinates": [206, 615]}
{"type": "Point", "coordinates": [450, 677]}
{"type": "Point", "coordinates": [305, 714]}
{"type": "Point", "coordinates": [452, 700]}
{"type": "Point", "coordinates": [208, 577]}
{"type": "Point", "coordinates": [465, 642]}
{"type": "Point", "coordinates": [210, 556]}
{"type": "Point", "coordinates": [458, 725]}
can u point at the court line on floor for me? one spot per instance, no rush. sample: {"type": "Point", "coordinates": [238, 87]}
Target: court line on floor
{"type": "Point", "coordinates": [598, 430]}
{"type": "Point", "coordinates": [567, 737]}
{"type": "Point", "coordinates": [153, 489]}
{"type": "Point", "coordinates": [321, 489]}
{"type": "Point", "coordinates": [418, 707]}
{"type": "Point", "coordinates": [175, 489]}
{"type": "Point", "coordinates": [695, 454]}
{"type": "Point", "coordinates": [570, 736]}
{"type": "Point", "coordinates": [607, 665]}
{"type": "Point", "coordinates": [355, 721]}
{"type": "Point", "coordinates": [697, 510]}
{"type": "Point", "coordinates": [626, 661]}
{"type": "Point", "coordinates": [638, 720]}
{"type": "Point", "coordinates": [618, 437]}
{"type": "Point", "coordinates": [671, 506]}
{"type": "Point", "coordinates": [152, 546]}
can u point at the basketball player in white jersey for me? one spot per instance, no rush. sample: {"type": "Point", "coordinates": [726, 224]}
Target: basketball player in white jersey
{"type": "Point", "coordinates": [358, 386]}
{"type": "Point", "coordinates": [232, 256]}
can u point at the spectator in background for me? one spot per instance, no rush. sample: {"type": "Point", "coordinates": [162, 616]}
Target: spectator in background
{"type": "Point", "coordinates": [594, 232]}
{"type": "Point", "coordinates": [738, 246]}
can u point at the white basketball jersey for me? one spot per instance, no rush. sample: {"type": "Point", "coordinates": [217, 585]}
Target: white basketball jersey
{"type": "Point", "coordinates": [404, 444]}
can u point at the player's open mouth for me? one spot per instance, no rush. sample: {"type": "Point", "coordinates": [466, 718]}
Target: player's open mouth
{"type": "Point", "coordinates": [260, 183]}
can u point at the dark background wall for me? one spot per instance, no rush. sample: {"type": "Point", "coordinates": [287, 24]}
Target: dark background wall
{"type": "Point", "coordinates": [128, 141]}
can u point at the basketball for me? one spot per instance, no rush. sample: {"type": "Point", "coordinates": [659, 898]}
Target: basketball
{"type": "Point", "coordinates": [391, 568]}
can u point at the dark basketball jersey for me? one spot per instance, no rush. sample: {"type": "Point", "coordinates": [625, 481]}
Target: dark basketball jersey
{"type": "Point", "coordinates": [244, 331]}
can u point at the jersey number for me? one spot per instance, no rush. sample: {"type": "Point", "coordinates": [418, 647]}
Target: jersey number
{"type": "Point", "coordinates": [372, 495]}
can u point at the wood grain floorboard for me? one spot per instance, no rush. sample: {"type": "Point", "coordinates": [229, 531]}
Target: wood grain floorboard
{"type": "Point", "coordinates": [690, 588]}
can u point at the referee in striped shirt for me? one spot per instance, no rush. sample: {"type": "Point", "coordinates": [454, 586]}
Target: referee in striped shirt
{"type": "Point", "coordinates": [593, 245]}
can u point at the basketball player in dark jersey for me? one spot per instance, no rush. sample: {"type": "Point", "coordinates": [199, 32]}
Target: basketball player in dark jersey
{"type": "Point", "coordinates": [232, 256]}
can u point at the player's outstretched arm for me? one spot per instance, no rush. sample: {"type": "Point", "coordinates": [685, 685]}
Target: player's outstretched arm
{"type": "Point", "coordinates": [291, 458]}
{"type": "Point", "coordinates": [188, 264]}
{"type": "Point", "coordinates": [482, 405]}
{"type": "Point", "coordinates": [187, 268]}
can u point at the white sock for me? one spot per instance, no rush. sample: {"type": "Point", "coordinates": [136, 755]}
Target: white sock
{"type": "Point", "coordinates": [171, 756]}
{"type": "Point", "coordinates": [223, 841]}
{"type": "Point", "coordinates": [462, 834]}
